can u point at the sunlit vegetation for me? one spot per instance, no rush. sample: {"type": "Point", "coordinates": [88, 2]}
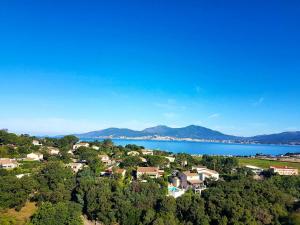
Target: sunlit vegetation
{"type": "Point", "coordinates": [54, 195]}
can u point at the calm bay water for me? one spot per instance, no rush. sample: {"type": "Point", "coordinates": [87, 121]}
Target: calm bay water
{"type": "Point", "coordinates": [207, 148]}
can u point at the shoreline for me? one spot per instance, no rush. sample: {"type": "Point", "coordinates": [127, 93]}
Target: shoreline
{"type": "Point", "coordinates": [192, 141]}
{"type": "Point", "coordinates": [208, 148]}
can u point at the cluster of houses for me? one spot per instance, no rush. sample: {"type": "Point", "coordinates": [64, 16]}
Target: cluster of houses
{"type": "Point", "coordinates": [281, 170]}
{"type": "Point", "coordinates": [192, 179]}
{"type": "Point", "coordinates": [7, 163]}
{"type": "Point", "coordinates": [179, 181]}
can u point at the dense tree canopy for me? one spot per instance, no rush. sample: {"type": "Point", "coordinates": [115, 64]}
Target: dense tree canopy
{"type": "Point", "coordinates": [62, 213]}
{"type": "Point", "coordinates": [219, 163]}
{"type": "Point", "coordinates": [15, 192]}
{"type": "Point", "coordinates": [56, 182]}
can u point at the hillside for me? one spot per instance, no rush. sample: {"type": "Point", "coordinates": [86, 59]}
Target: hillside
{"type": "Point", "coordinates": [280, 138]}
{"type": "Point", "coordinates": [193, 132]}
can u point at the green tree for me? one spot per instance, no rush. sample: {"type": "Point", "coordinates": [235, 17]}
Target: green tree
{"type": "Point", "coordinates": [56, 182]}
{"type": "Point", "coordinates": [62, 213]}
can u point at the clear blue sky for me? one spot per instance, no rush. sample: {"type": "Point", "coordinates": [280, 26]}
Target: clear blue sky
{"type": "Point", "coordinates": [73, 66]}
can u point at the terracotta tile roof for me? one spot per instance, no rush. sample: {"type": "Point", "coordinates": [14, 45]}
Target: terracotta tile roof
{"type": "Point", "coordinates": [208, 171]}
{"type": "Point", "coordinates": [7, 161]}
{"type": "Point", "coordinates": [195, 181]}
{"type": "Point", "coordinates": [189, 173]}
{"type": "Point", "coordinates": [281, 167]}
{"type": "Point", "coordinates": [147, 170]}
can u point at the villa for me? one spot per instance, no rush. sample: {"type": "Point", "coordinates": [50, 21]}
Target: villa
{"type": "Point", "coordinates": [284, 170]}
{"type": "Point", "coordinates": [105, 159]}
{"type": "Point", "coordinates": [7, 163]}
{"type": "Point", "coordinates": [133, 153]}
{"type": "Point", "coordinates": [114, 170]}
{"type": "Point", "coordinates": [152, 172]}
{"type": "Point", "coordinates": [206, 173]}
{"type": "Point", "coordinates": [209, 174]}
{"type": "Point", "coordinates": [254, 169]}
{"type": "Point", "coordinates": [35, 156]}
{"type": "Point", "coordinates": [199, 168]}
{"type": "Point", "coordinates": [75, 166]}
{"type": "Point", "coordinates": [36, 143]}
{"type": "Point", "coordinates": [81, 144]}
{"type": "Point", "coordinates": [147, 152]}
{"type": "Point", "coordinates": [188, 178]}
{"type": "Point", "coordinates": [171, 159]}
{"type": "Point", "coordinates": [194, 178]}
{"type": "Point", "coordinates": [53, 151]}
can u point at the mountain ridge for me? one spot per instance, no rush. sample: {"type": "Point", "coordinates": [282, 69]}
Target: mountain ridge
{"type": "Point", "coordinates": [192, 132]}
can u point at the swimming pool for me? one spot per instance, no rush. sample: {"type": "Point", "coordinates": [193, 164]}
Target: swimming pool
{"type": "Point", "coordinates": [173, 189]}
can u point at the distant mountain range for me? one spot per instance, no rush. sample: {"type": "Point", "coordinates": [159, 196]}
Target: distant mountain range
{"type": "Point", "coordinates": [191, 132]}
{"type": "Point", "coordinates": [281, 138]}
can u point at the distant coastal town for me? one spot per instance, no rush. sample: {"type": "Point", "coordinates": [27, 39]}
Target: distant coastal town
{"type": "Point", "coordinates": [169, 138]}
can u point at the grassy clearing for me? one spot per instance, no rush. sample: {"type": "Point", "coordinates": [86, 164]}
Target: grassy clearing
{"type": "Point", "coordinates": [266, 163]}
{"type": "Point", "coordinates": [18, 218]}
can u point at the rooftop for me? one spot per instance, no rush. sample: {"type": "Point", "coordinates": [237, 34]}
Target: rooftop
{"type": "Point", "coordinates": [189, 173]}
{"type": "Point", "coordinates": [208, 171]}
{"type": "Point", "coordinates": [282, 167]}
{"type": "Point", "coordinates": [7, 160]}
{"type": "Point", "coordinates": [253, 167]}
{"type": "Point", "coordinates": [195, 181]}
{"type": "Point", "coordinates": [147, 170]}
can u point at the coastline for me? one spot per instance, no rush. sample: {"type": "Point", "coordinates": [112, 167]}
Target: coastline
{"type": "Point", "coordinates": [208, 148]}
{"type": "Point", "coordinates": [191, 140]}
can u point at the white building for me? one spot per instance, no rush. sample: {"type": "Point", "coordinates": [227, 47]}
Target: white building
{"type": "Point", "coordinates": [284, 170]}
{"type": "Point", "coordinates": [206, 173]}
{"type": "Point", "coordinates": [192, 177]}
{"type": "Point", "coordinates": [105, 159]}
{"type": "Point", "coordinates": [147, 152]}
{"type": "Point", "coordinates": [53, 151]}
{"type": "Point", "coordinates": [199, 168]}
{"type": "Point", "coordinates": [36, 143]}
{"type": "Point", "coordinates": [95, 147]}
{"type": "Point", "coordinates": [81, 144]}
{"type": "Point", "coordinates": [171, 159]}
{"type": "Point", "coordinates": [76, 166]}
{"type": "Point", "coordinates": [115, 170]}
{"type": "Point", "coordinates": [153, 172]}
{"type": "Point", "coordinates": [133, 153]}
{"type": "Point", "coordinates": [35, 156]}
{"type": "Point", "coordinates": [209, 174]}
{"type": "Point", "coordinates": [7, 163]}
{"type": "Point", "coordinates": [254, 169]}
{"type": "Point", "coordinates": [19, 176]}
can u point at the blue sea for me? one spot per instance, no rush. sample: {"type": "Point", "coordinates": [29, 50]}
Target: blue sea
{"type": "Point", "coordinates": [208, 148]}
